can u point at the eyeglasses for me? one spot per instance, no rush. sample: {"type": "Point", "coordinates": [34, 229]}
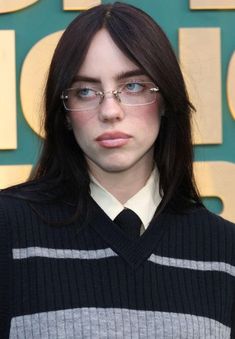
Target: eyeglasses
{"type": "Point", "coordinates": [129, 94]}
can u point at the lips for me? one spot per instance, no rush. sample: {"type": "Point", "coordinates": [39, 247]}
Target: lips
{"type": "Point", "coordinates": [113, 139]}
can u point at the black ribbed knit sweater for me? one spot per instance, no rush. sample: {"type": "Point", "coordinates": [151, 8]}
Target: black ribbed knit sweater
{"type": "Point", "coordinates": [176, 281]}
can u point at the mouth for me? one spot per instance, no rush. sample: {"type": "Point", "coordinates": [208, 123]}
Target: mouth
{"type": "Point", "coordinates": [113, 139]}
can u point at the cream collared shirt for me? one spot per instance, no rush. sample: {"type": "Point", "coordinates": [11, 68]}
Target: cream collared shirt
{"type": "Point", "coordinates": [143, 203]}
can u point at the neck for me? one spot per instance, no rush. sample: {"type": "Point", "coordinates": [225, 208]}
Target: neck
{"type": "Point", "coordinates": [122, 185]}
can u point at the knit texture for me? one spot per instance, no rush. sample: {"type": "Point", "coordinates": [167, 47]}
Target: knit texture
{"type": "Point", "coordinates": [176, 281]}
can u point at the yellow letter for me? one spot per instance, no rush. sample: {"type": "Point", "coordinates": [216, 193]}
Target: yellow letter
{"type": "Point", "coordinates": [80, 5]}
{"type": "Point", "coordinates": [33, 77]}
{"type": "Point", "coordinates": [212, 4]}
{"type": "Point", "coordinates": [8, 138]}
{"type": "Point", "coordinates": [231, 85]}
{"type": "Point", "coordinates": [217, 179]}
{"type": "Point", "coordinates": [13, 174]}
{"type": "Point", "coordinates": [7, 6]}
{"type": "Point", "coordinates": [201, 64]}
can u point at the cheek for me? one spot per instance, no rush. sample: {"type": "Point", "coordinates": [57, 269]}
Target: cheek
{"type": "Point", "coordinates": [82, 127]}
{"type": "Point", "coordinates": [80, 120]}
{"type": "Point", "coordinates": [149, 117]}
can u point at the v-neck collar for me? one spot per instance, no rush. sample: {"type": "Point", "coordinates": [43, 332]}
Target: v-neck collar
{"type": "Point", "coordinates": [133, 252]}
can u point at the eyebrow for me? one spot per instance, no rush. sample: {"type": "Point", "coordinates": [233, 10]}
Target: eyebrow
{"type": "Point", "coordinates": [119, 76]}
{"type": "Point", "coordinates": [128, 74]}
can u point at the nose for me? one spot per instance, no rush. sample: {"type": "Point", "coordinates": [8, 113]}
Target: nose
{"type": "Point", "coordinates": [110, 109]}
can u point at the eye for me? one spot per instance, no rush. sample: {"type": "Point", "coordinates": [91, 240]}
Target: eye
{"type": "Point", "coordinates": [84, 92]}
{"type": "Point", "coordinates": [134, 87]}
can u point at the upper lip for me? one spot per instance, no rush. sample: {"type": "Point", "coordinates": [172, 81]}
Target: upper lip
{"type": "Point", "coordinates": [112, 135]}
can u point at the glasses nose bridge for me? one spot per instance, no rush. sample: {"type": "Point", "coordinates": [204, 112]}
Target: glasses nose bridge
{"type": "Point", "coordinates": [110, 111]}
{"type": "Point", "coordinates": [109, 94]}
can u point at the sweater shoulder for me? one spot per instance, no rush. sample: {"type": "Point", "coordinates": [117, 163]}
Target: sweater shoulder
{"type": "Point", "coordinates": [5, 265]}
{"type": "Point", "coordinates": [33, 202]}
{"type": "Point", "coordinates": [198, 214]}
{"type": "Point", "coordinates": [199, 222]}
{"type": "Point", "coordinates": [213, 231]}
{"type": "Point", "coordinates": [34, 191]}
{"type": "Point", "coordinates": [200, 235]}
{"type": "Point", "coordinates": [12, 205]}
{"type": "Point", "coordinates": [209, 219]}
{"type": "Point", "coordinates": [14, 199]}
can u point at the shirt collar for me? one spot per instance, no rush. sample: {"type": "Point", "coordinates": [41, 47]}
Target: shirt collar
{"type": "Point", "coordinates": [143, 203]}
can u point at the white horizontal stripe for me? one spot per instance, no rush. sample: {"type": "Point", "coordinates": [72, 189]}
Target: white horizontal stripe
{"type": "Point", "coordinates": [23, 253]}
{"type": "Point", "coordinates": [116, 323]}
{"type": "Point", "coordinates": [193, 264]}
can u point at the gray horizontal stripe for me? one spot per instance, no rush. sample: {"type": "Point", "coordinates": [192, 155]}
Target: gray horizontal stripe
{"type": "Point", "coordinates": [23, 253]}
{"type": "Point", "coordinates": [193, 264]}
{"type": "Point", "coordinates": [111, 323]}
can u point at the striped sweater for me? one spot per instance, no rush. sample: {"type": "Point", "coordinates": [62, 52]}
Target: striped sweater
{"type": "Point", "coordinates": [176, 281]}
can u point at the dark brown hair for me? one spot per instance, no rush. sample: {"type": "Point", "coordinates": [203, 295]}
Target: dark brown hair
{"type": "Point", "coordinates": [139, 37]}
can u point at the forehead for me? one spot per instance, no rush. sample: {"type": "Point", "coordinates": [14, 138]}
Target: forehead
{"type": "Point", "coordinates": [104, 60]}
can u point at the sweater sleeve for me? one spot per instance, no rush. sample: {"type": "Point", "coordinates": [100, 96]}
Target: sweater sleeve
{"type": "Point", "coordinates": [233, 311]}
{"type": "Point", "coordinates": [5, 260]}
{"type": "Point", "coordinates": [233, 318]}
{"type": "Point", "coordinates": [233, 324]}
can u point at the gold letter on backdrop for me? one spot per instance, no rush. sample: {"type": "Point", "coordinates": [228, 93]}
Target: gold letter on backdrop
{"type": "Point", "coordinates": [7, 6]}
{"type": "Point", "coordinates": [212, 4]}
{"type": "Point", "coordinates": [217, 179]}
{"type": "Point", "coordinates": [33, 77]}
{"type": "Point", "coordinates": [8, 137]}
{"type": "Point", "coordinates": [231, 85]}
{"type": "Point", "coordinates": [13, 174]}
{"type": "Point", "coordinates": [201, 64]}
{"type": "Point", "coordinates": [80, 5]}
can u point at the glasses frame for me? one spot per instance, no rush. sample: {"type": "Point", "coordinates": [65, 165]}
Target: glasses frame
{"type": "Point", "coordinates": [115, 93]}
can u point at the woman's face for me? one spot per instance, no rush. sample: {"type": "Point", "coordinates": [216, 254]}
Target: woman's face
{"type": "Point", "coordinates": [114, 137]}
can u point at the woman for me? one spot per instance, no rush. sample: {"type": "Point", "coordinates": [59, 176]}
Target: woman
{"type": "Point", "coordinates": [118, 139]}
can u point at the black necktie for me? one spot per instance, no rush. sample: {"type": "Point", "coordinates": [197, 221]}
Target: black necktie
{"type": "Point", "coordinates": [129, 222]}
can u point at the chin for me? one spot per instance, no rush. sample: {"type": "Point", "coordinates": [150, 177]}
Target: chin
{"type": "Point", "coordinates": [115, 168]}
{"type": "Point", "coordinates": [114, 163]}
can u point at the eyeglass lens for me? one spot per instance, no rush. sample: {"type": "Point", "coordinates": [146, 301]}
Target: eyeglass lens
{"type": "Point", "coordinates": [130, 94]}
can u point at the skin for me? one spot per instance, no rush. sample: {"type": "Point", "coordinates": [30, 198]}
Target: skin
{"type": "Point", "coordinates": [121, 166]}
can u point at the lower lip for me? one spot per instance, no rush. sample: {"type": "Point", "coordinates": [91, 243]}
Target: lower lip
{"type": "Point", "coordinates": [112, 143]}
